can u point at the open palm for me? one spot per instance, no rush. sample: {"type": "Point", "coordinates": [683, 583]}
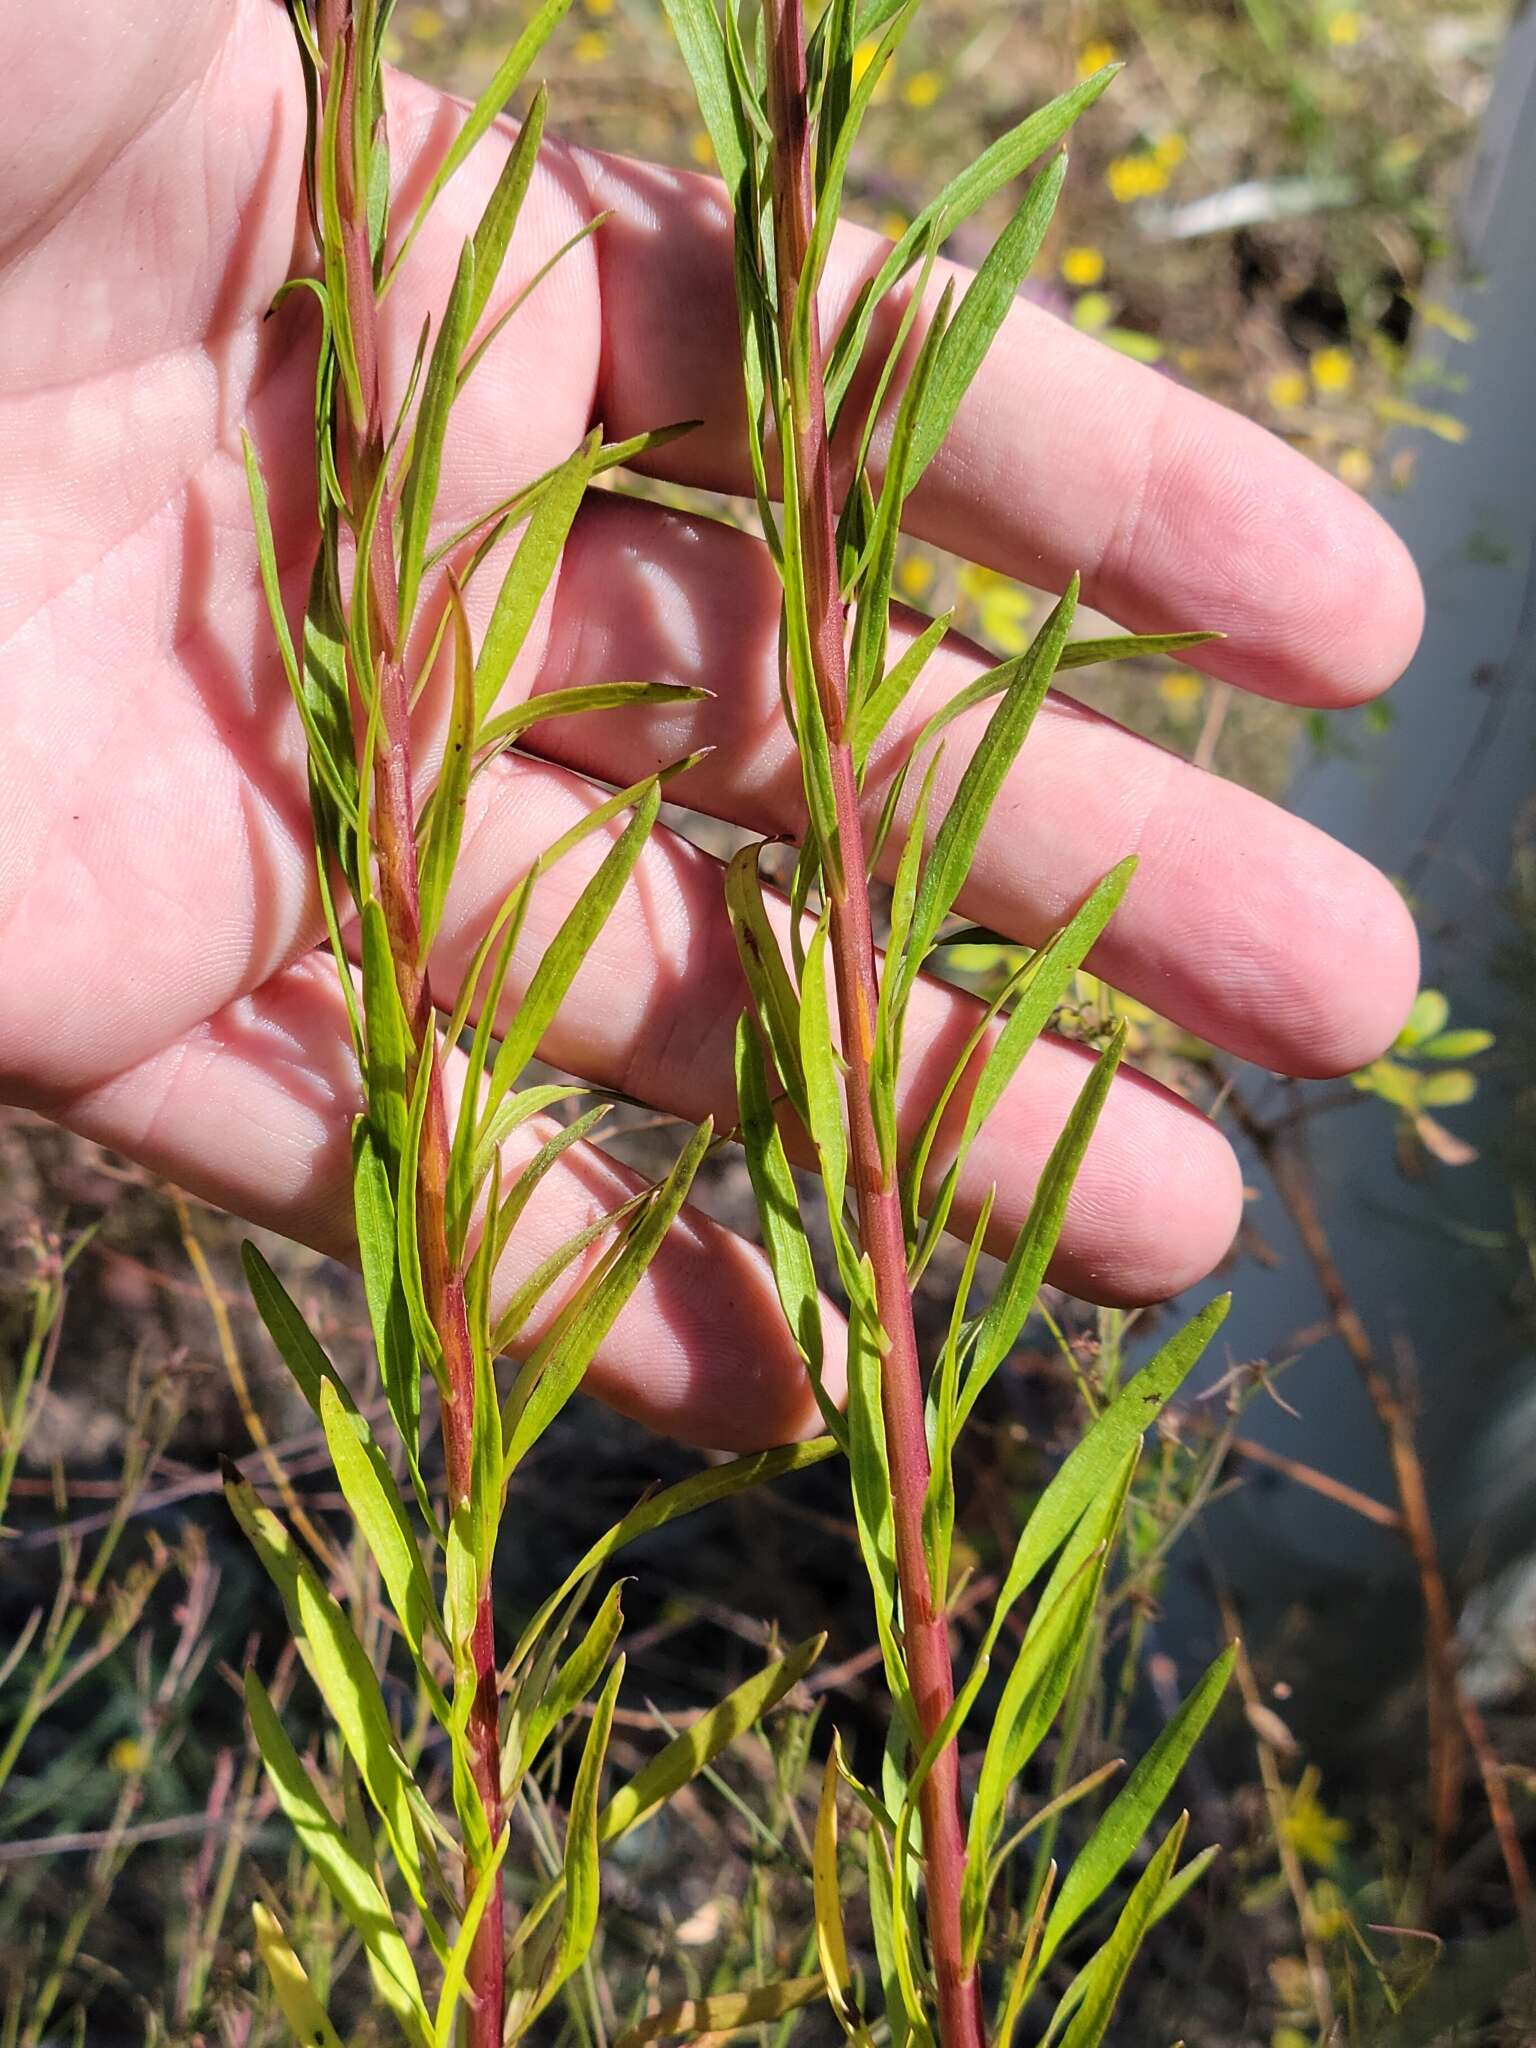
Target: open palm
{"type": "Point", "coordinates": [160, 987]}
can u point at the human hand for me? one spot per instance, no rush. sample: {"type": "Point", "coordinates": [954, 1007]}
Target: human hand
{"type": "Point", "coordinates": [161, 984]}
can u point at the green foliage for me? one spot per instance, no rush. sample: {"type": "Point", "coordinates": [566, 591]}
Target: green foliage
{"type": "Point", "coordinates": [819, 1068]}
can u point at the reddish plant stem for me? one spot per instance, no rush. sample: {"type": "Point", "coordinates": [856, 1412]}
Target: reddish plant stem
{"type": "Point", "coordinates": [361, 456]}
{"type": "Point", "coordinates": [924, 1626]}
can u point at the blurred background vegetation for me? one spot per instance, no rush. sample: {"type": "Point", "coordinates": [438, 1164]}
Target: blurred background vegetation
{"type": "Point", "coordinates": [1258, 209]}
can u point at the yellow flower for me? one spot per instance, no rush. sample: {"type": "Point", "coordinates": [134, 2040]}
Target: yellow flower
{"type": "Point", "coordinates": [1181, 690]}
{"type": "Point", "coordinates": [127, 1755]}
{"type": "Point", "coordinates": [701, 149]}
{"type": "Point", "coordinates": [1333, 369]}
{"type": "Point", "coordinates": [598, 6]}
{"type": "Point", "coordinates": [1082, 265]}
{"type": "Point", "coordinates": [1093, 311]}
{"type": "Point", "coordinates": [1286, 390]}
{"type": "Point", "coordinates": [425, 24]}
{"type": "Point", "coordinates": [1309, 1827]}
{"type": "Point", "coordinates": [1344, 28]}
{"type": "Point", "coordinates": [1002, 608]}
{"type": "Point", "coordinates": [893, 226]}
{"type": "Point", "coordinates": [1356, 468]}
{"type": "Point", "coordinates": [1170, 151]}
{"type": "Point", "coordinates": [1135, 177]}
{"type": "Point", "coordinates": [863, 57]}
{"type": "Point", "coordinates": [590, 45]}
{"type": "Point", "coordinates": [922, 88]}
{"type": "Point", "coordinates": [1094, 56]}
{"type": "Point", "coordinates": [914, 575]}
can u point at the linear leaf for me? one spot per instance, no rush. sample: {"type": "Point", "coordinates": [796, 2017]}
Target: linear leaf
{"type": "Point", "coordinates": [773, 993]}
{"type": "Point", "coordinates": [419, 496]}
{"type": "Point", "coordinates": [1025, 1270]}
{"type": "Point", "coordinates": [457, 1969]}
{"type": "Point", "coordinates": [826, 1895]}
{"type": "Point", "coordinates": [724, 2012]}
{"type": "Point", "coordinates": [508, 77]}
{"type": "Point", "coordinates": [290, 1983]}
{"type": "Point", "coordinates": [378, 1254]}
{"type": "Point", "coordinates": [955, 847]}
{"type": "Point", "coordinates": [345, 1679]}
{"type": "Point", "coordinates": [556, 1367]}
{"type": "Point", "coordinates": [1111, 1966]}
{"type": "Point", "coordinates": [981, 313]}
{"type": "Point", "coordinates": [370, 1491]}
{"type": "Point", "coordinates": [497, 223]}
{"type": "Point", "coordinates": [1126, 1821]}
{"type": "Point", "coordinates": [823, 1090]}
{"type": "Point", "coordinates": [575, 1678]}
{"type": "Point", "coordinates": [885, 699]}
{"type": "Point", "coordinates": [1089, 1469]}
{"type": "Point", "coordinates": [688, 1753]}
{"type": "Point", "coordinates": [1129, 647]}
{"type": "Point", "coordinates": [700, 38]}
{"type": "Point", "coordinates": [353, 1885]}
{"type": "Point", "coordinates": [301, 1350]}
{"type": "Point", "coordinates": [444, 823]}
{"type": "Point", "coordinates": [960, 198]}
{"type": "Point", "coordinates": [509, 726]}
{"type": "Point", "coordinates": [582, 1876]}
{"type": "Point", "coordinates": [532, 566]}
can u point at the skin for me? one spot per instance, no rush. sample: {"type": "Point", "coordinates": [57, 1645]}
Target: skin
{"type": "Point", "coordinates": [160, 987]}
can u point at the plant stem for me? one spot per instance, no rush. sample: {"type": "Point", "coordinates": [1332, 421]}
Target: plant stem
{"type": "Point", "coordinates": [361, 456]}
{"type": "Point", "coordinates": [924, 1627]}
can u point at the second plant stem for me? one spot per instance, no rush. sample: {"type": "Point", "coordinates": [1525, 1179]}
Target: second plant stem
{"type": "Point", "coordinates": [925, 1630]}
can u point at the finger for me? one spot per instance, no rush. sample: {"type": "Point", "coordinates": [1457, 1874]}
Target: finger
{"type": "Point", "coordinates": [1243, 924]}
{"type": "Point", "coordinates": [652, 1014]}
{"type": "Point", "coordinates": [700, 1351]}
{"type": "Point", "coordinates": [1064, 456]}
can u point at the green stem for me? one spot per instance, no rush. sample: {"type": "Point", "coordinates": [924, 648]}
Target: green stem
{"type": "Point", "coordinates": [924, 1625]}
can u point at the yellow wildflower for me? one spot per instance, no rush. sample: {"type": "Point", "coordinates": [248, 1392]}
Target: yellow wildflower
{"type": "Point", "coordinates": [863, 57]}
{"type": "Point", "coordinates": [1135, 177]}
{"type": "Point", "coordinates": [893, 226]}
{"type": "Point", "coordinates": [1082, 265]}
{"type": "Point", "coordinates": [1094, 56]}
{"type": "Point", "coordinates": [590, 46]}
{"type": "Point", "coordinates": [914, 575]}
{"type": "Point", "coordinates": [1313, 1832]}
{"type": "Point", "coordinates": [1181, 690]}
{"type": "Point", "coordinates": [425, 24]}
{"type": "Point", "coordinates": [1286, 390]}
{"type": "Point", "coordinates": [1345, 27]}
{"type": "Point", "coordinates": [1170, 151]}
{"type": "Point", "coordinates": [922, 88]}
{"type": "Point", "coordinates": [1356, 468]}
{"type": "Point", "coordinates": [1002, 608]}
{"type": "Point", "coordinates": [701, 149]}
{"type": "Point", "coordinates": [1333, 369]}
{"type": "Point", "coordinates": [127, 1755]}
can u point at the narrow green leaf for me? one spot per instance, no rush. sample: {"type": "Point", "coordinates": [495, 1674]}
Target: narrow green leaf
{"type": "Point", "coordinates": [826, 1894]}
{"type": "Point", "coordinates": [419, 496]}
{"type": "Point", "coordinates": [536, 1286]}
{"type": "Point", "coordinates": [886, 698]}
{"type": "Point", "coordinates": [960, 198]}
{"type": "Point", "coordinates": [350, 1881]}
{"type": "Point", "coordinates": [531, 567]}
{"type": "Point", "coordinates": [509, 727]}
{"type": "Point", "coordinates": [1129, 647]}
{"type": "Point", "coordinates": [494, 233]}
{"type": "Point", "coordinates": [569, 947]}
{"type": "Point", "coordinates": [981, 313]}
{"type": "Point", "coordinates": [378, 1254]}
{"type": "Point", "coordinates": [370, 1491]}
{"type": "Point", "coordinates": [582, 1876]}
{"type": "Point", "coordinates": [1126, 1822]}
{"type": "Point", "coordinates": [555, 1368]}
{"type": "Point", "coordinates": [955, 847]}
{"type": "Point", "coordinates": [457, 1970]}
{"type": "Point", "coordinates": [444, 823]}
{"type": "Point", "coordinates": [575, 1679]}
{"type": "Point", "coordinates": [778, 1208]}
{"type": "Point", "coordinates": [1088, 1469]}
{"type": "Point", "coordinates": [688, 1753]}
{"type": "Point", "coordinates": [301, 1350]}
{"type": "Point", "coordinates": [1112, 1965]}
{"type": "Point", "coordinates": [344, 1677]}
{"type": "Point", "coordinates": [701, 40]}
{"type": "Point", "coordinates": [823, 1089]}
{"type": "Point", "coordinates": [508, 77]}
{"type": "Point", "coordinates": [773, 993]}
{"type": "Point", "coordinates": [388, 1039]}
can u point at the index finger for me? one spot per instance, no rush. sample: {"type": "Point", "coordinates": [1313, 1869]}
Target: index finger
{"type": "Point", "coordinates": [1065, 455]}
